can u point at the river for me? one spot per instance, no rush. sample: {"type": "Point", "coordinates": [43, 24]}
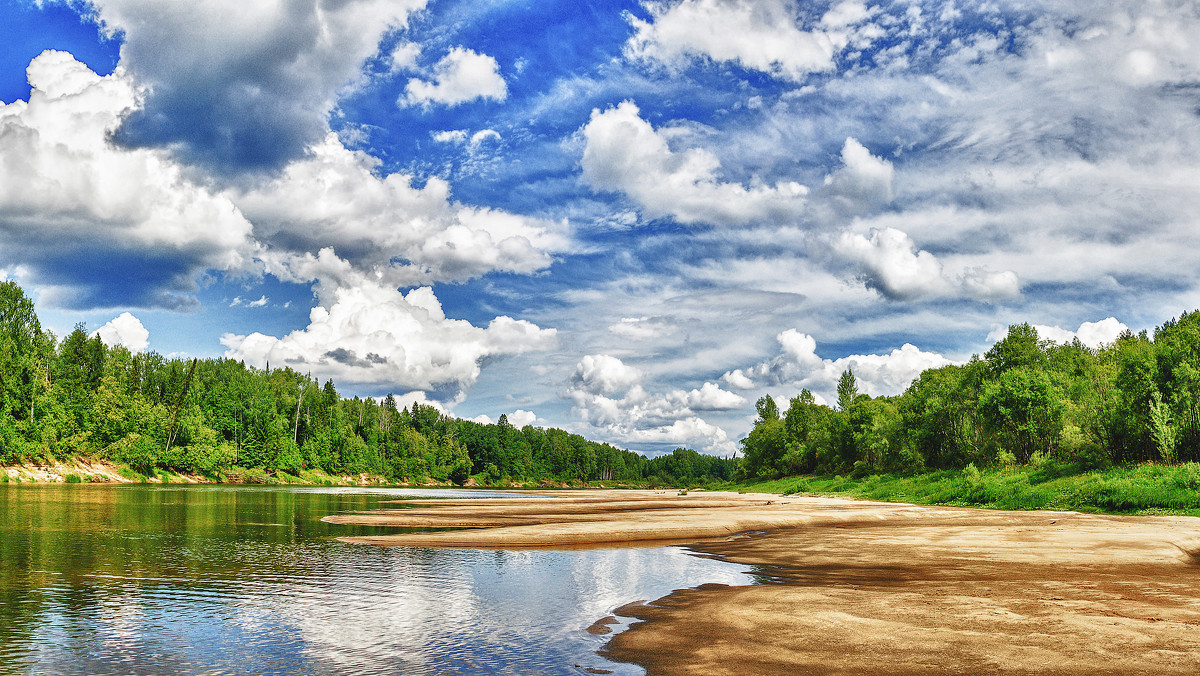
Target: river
{"type": "Point", "coordinates": [170, 579]}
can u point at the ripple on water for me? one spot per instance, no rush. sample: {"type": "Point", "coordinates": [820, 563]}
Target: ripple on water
{"type": "Point", "coordinates": [196, 580]}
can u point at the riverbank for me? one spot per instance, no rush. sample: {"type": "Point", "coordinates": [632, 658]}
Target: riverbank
{"type": "Point", "coordinates": [869, 587]}
{"type": "Point", "coordinates": [92, 470]}
{"type": "Point", "coordinates": [1146, 489]}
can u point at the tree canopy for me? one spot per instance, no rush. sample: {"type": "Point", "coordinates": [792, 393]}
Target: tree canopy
{"type": "Point", "coordinates": [1136, 400]}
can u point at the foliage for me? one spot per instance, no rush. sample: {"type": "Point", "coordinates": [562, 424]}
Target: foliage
{"type": "Point", "coordinates": [217, 416]}
{"type": "Point", "coordinates": [1026, 401]}
{"type": "Point", "coordinates": [1054, 485]}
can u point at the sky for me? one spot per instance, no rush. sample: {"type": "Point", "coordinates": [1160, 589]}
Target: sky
{"type": "Point", "coordinates": [629, 220]}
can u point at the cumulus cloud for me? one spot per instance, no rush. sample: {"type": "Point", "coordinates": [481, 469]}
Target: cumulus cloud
{"type": "Point", "coordinates": [248, 86]}
{"type": "Point", "coordinates": [334, 198]}
{"type": "Point", "coordinates": [96, 225]}
{"type": "Point", "coordinates": [462, 75]}
{"type": "Point", "coordinates": [608, 394]}
{"type": "Point", "coordinates": [1091, 334]}
{"type": "Point", "coordinates": [518, 419]}
{"type": "Point", "coordinates": [386, 339]}
{"type": "Point", "coordinates": [799, 366]}
{"type": "Point", "coordinates": [624, 153]}
{"type": "Point", "coordinates": [604, 375]}
{"type": "Point", "coordinates": [891, 264]}
{"type": "Point", "coordinates": [863, 181]}
{"type": "Point", "coordinates": [126, 330]}
{"type": "Point", "coordinates": [757, 35]}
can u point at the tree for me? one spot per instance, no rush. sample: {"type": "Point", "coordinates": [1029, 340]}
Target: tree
{"type": "Point", "coordinates": [767, 408]}
{"type": "Point", "coordinates": [847, 389]}
{"type": "Point", "coordinates": [1025, 410]}
{"type": "Point", "coordinates": [1162, 429]}
{"type": "Point", "coordinates": [20, 367]}
{"type": "Point", "coordinates": [1021, 347]}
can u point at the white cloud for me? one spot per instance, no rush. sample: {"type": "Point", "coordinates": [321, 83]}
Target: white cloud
{"type": "Point", "coordinates": [759, 35]}
{"type": "Point", "coordinates": [609, 396]}
{"type": "Point", "coordinates": [623, 153]}
{"type": "Point", "coordinates": [1091, 334]}
{"type": "Point", "coordinates": [127, 330]}
{"type": "Point", "coordinates": [257, 303]}
{"type": "Point", "coordinates": [605, 375]}
{"type": "Point", "coordinates": [520, 418]}
{"type": "Point", "coordinates": [66, 191]}
{"type": "Point", "coordinates": [710, 397]}
{"type": "Point", "coordinates": [404, 56]}
{"type": "Point", "coordinates": [246, 86]}
{"type": "Point", "coordinates": [460, 76]}
{"type": "Point", "coordinates": [799, 366]}
{"type": "Point", "coordinates": [738, 379]}
{"type": "Point", "coordinates": [640, 328]}
{"type": "Point", "coordinates": [454, 136]}
{"type": "Point", "coordinates": [483, 136]}
{"type": "Point", "coordinates": [370, 334]}
{"type": "Point", "coordinates": [473, 141]}
{"type": "Point", "coordinates": [864, 180]}
{"type": "Point", "coordinates": [335, 199]}
{"type": "Point", "coordinates": [891, 264]}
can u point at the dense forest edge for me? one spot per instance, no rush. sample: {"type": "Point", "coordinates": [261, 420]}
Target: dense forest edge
{"type": "Point", "coordinates": [78, 401]}
{"type": "Point", "coordinates": [1029, 425]}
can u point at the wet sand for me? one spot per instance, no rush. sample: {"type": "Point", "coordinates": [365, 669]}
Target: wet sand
{"type": "Point", "coordinates": [878, 588]}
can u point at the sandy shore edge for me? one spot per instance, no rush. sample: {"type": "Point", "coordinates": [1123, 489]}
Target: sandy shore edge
{"type": "Point", "coordinates": [868, 587]}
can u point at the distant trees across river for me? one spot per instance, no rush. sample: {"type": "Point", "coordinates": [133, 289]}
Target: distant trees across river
{"type": "Point", "coordinates": [1026, 400]}
{"type": "Point", "coordinates": [79, 397]}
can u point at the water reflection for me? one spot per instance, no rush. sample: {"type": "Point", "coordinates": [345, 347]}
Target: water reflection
{"type": "Point", "coordinates": [221, 579]}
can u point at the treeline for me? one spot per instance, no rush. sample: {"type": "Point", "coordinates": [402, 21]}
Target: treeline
{"type": "Point", "coordinates": [1026, 399]}
{"type": "Point", "coordinates": [79, 397]}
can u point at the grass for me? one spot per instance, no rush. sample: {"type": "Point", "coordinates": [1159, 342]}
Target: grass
{"type": "Point", "coordinates": [1141, 489]}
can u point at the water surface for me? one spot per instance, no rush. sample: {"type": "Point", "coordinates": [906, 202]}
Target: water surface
{"type": "Point", "coordinates": [149, 579]}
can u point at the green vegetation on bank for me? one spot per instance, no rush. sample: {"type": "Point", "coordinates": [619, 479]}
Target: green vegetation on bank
{"type": "Point", "coordinates": [1026, 401]}
{"type": "Point", "coordinates": [1141, 489]}
{"type": "Point", "coordinates": [215, 417]}
{"type": "Point", "coordinates": [1030, 425]}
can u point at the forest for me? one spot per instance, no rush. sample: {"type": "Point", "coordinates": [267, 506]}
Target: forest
{"type": "Point", "coordinates": [1026, 401]}
{"type": "Point", "coordinates": [77, 397]}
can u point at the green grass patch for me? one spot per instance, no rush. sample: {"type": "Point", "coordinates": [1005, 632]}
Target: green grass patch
{"type": "Point", "coordinates": [130, 473]}
{"type": "Point", "coordinates": [73, 479]}
{"type": "Point", "coordinates": [1141, 489]}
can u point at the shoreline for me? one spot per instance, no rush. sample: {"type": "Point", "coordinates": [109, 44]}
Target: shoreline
{"type": "Point", "coordinates": [1009, 593]}
{"type": "Point", "coordinates": [864, 587]}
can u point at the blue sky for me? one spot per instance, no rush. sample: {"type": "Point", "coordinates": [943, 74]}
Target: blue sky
{"type": "Point", "coordinates": [626, 219]}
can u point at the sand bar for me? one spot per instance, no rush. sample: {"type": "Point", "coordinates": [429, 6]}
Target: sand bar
{"type": "Point", "coordinates": [879, 588]}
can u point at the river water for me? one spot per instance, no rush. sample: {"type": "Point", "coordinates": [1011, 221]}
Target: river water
{"type": "Point", "coordinates": [163, 579]}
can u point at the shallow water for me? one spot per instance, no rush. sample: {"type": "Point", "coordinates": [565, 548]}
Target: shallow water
{"type": "Point", "coordinates": [149, 579]}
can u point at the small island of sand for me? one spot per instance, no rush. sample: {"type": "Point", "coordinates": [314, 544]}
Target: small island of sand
{"type": "Point", "coordinates": [867, 587]}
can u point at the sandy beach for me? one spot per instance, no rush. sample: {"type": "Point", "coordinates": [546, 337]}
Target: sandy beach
{"type": "Point", "coordinates": [865, 587]}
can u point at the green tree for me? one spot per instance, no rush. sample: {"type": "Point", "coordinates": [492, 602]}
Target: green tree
{"type": "Point", "coordinates": [1024, 410]}
{"type": "Point", "coordinates": [847, 390]}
